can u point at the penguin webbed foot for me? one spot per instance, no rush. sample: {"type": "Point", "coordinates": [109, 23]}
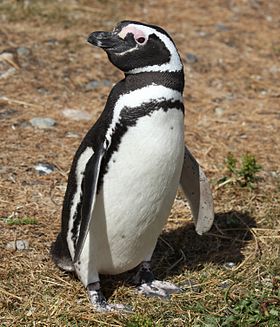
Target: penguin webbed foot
{"type": "Point", "coordinates": [149, 286]}
{"type": "Point", "coordinates": [99, 302]}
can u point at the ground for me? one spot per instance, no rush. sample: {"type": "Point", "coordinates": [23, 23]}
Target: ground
{"type": "Point", "coordinates": [231, 53]}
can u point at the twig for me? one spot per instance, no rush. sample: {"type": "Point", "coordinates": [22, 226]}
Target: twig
{"type": "Point", "coordinates": [23, 103]}
{"type": "Point", "coordinates": [10, 294]}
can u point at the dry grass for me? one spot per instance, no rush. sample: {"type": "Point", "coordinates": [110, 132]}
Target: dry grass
{"type": "Point", "coordinates": [237, 70]}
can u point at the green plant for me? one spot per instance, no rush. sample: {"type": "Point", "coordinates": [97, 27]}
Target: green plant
{"type": "Point", "coordinates": [138, 321]}
{"type": "Point", "coordinates": [243, 171]}
{"type": "Point", "coordinates": [21, 221]}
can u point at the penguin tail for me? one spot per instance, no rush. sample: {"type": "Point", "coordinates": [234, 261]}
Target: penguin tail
{"type": "Point", "coordinates": [60, 254]}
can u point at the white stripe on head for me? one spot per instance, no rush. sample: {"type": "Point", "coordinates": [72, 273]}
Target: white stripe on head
{"type": "Point", "coordinates": [139, 31]}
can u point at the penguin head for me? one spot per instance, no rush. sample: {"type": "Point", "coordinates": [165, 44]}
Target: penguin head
{"type": "Point", "coordinates": [135, 47]}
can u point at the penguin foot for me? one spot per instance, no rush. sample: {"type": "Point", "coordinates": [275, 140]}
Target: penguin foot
{"type": "Point", "coordinates": [149, 286]}
{"type": "Point", "coordinates": [99, 303]}
{"type": "Point", "coordinates": [158, 288]}
{"type": "Point", "coordinates": [144, 274]}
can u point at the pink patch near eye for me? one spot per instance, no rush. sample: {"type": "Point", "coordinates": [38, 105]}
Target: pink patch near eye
{"type": "Point", "coordinates": [139, 36]}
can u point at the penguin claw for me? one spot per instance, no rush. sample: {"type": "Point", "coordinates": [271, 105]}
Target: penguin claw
{"type": "Point", "coordinates": [117, 307]}
{"type": "Point", "coordinates": [100, 304]}
{"type": "Point", "coordinates": [106, 308]}
{"type": "Point", "coordinates": [158, 288]}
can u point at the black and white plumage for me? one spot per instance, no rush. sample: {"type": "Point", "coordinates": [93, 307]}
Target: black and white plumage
{"type": "Point", "coordinates": [126, 172]}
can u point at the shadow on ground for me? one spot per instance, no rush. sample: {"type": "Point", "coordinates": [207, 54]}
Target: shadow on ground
{"type": "Point", "coordinates": [183, 248]}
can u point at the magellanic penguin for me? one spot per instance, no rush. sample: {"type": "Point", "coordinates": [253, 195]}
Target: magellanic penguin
{"type": "Point", "coordinates": [126, 172]}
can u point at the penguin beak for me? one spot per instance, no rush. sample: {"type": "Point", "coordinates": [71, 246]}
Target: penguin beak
{"type": "Point", "coordinates": [105, 40]}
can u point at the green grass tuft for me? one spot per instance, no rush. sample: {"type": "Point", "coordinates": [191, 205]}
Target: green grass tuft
{"type": "Point", "coordinates": [139, 321]}
{"type": "Point", "coordinates": [21, 221]}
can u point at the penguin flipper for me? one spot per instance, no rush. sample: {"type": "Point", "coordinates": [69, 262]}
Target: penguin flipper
{"type": "Point", "coordinates": [89, 187]}
{"type": "Point", "coordinates": [197, 190]}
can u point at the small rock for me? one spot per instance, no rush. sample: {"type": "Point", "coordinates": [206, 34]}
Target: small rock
{"type": "Point", "coordinates": [221, 27]}
{"type": "Point", "coordinates": [30, 311]}
{"type": "Point", "coordinates": [275, 174]}
{"type": "Point", "coordinates": [230, 96]}
{"type": "Point", "coordinates": [219, 111]}
{"type": "Point", "coordinates": [42, 122]}
{"type": "Point", "coordinates": [23, 52]}
{"type": "Point", "coordinates": [92, 85]}
{"type": "Point", "coordinates": [191, 58]}
{"type": "Point", "coordinates": [42, 90]}
{"type": "Point", "coordinates": [10, 71]}
{"type": "Point", "coordinates": [52, 42]}
{"type": "Point", "coordinates": [274, 69]}
{"type": "Point", "coordinates": [229, 265]}
{"type": "Point", "coordinates": [106, 82]}
{"type": "Point", "coordinates": [44, 168]}
{"type": "Point", "coordinates": [75, 114]}
{"type": "Point", "coordinates": [72, 135]}
{"type": "Point", "coordinates": [202, 34]}
{"type": "Point", "coordinates": [225, 284]}
{"type": "Point", "coordinates": [22, 245]}
{"type": "Point", "coordinates": [19, 245]}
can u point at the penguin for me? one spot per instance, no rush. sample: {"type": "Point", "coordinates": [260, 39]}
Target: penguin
{"type": "Point", "coordinates": [127, 169]}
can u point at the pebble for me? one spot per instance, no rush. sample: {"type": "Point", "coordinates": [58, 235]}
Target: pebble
{"type": "Point", "coordinates": [225, 284]}
{"type": "Point", "coordinates": [202, 34]}
{"type": "Point", "coordinates": [191, 58]}
{"type": "Point", "coordinates": [106, 82]}
{"type": "Point", "coordinates": [19, 245]}
{"type": "Point", "coordinates": [219, 111]}
{"type": "Point", "coordinates": [229, 265]}
{"type": "Point", "coordinates": [44, 168]}
{"type": "Point", "coordinates": [75, 114]}
{"type": "Point", "coordinates": [94, 84]}
{"type": "Point", "coordinates": [52, 42]}
{"type": "Point", "coordinates": [23, 52]}
{"type": "Point", "coordinates": [72, 135]}
{"type": "Point", "coordinates": [10, 71]}
{"type": "Point", "coordinates": [275, 174]}
{"type": "Point", "coordinates": [221, 27]}
{"type": "Point", "coordinates": [42, 90]}
{"type": "Point", "coordinates": [42, 122]}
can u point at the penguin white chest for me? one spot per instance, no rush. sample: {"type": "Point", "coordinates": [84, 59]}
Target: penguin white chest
{"type": "Point", "coordinates": [138, 191]}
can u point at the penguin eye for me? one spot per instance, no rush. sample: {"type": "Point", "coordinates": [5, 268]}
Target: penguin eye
{"type": "Point", "coordinates": [140, 40]}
